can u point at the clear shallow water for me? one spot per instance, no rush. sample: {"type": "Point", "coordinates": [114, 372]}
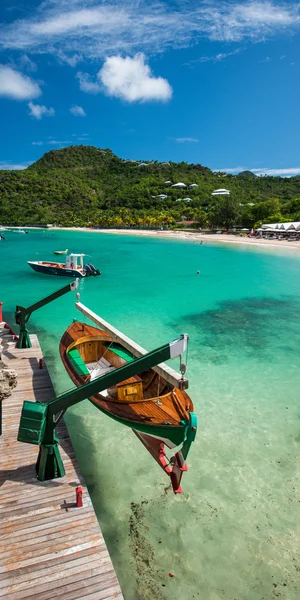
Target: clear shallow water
{"type": "Point", "coordinates": [234, 533]}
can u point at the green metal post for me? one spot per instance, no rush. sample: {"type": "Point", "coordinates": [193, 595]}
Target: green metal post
{"type": "Point", "coordinates": [24, 338]}
{"type": "Point", "coordinates": [49, 464]}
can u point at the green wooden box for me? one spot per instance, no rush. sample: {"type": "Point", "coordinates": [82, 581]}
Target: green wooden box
{"type": "Point", "coordinates": [32, 423]}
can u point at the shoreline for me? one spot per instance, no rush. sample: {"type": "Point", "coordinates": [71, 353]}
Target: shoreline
{"type": "Point", "coordinates": [184, 235]}
{"type": "Point", "coordinates": [190, 235]}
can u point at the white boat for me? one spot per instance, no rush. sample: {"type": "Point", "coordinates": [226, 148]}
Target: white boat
{"type": "Point", "coordinates": [70, 268]}
{"type": "Point", "coordinates": [60, 251]}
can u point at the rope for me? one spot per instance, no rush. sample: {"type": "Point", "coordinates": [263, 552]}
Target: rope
{"type": "Point", "coordinates": [158, 386]}
{"type": "Point", "coordinates": [103, 355]}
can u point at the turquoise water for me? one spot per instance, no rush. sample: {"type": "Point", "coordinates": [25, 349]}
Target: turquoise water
{"type": "Point", "coordinates": [234, 533]}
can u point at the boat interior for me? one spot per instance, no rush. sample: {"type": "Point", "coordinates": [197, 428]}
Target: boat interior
{"type": "Point", "coordinates": [57, 265]}
{"type": "Point", "coordinates": [88, 353]}
{"type": "Point", "coordinates": [93, 357]}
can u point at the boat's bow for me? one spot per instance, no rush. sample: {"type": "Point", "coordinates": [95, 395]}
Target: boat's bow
{"type": "Point", "coordinates": [176, 465]}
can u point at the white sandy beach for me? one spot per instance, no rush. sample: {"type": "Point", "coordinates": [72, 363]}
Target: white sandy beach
{"type": "Point", "coordinates": [194, 236]}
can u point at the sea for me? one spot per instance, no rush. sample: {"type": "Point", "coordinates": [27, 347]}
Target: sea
{"type": "Point", "coordinates": [234, 532]}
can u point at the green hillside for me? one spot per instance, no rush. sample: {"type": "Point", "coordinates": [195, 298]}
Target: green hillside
{"type": "Point", "coordinates": [79, 185]}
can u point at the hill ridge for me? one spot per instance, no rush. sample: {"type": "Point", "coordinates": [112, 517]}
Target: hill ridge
{"type": "Point", "coordinates": [78, 185]}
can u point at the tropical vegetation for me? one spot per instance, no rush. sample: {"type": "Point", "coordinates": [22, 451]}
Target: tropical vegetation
{"type": "Point", "coordinates": [83, 185]}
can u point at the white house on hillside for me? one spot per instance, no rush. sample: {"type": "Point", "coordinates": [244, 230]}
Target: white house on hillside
{"type": "Point", "coordinates": [178, 185]}
{"type": "Point", "coordinates": [221, 192]}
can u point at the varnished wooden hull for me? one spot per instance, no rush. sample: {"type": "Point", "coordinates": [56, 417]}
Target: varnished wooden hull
{"type": "Point", "coordinates": [160, 414]}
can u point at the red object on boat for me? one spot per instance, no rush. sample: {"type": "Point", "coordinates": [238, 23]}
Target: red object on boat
{"type": "Point", "coordinates": [1, 303]}
{"type": "Point", "coordinates": [79, 502]}
{"type": "Point", "coordinates": [41, 363]}
{"type": "Point", "coordinates": [156, 447]}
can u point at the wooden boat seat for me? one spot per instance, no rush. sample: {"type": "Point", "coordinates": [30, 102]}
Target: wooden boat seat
{"type": "Point", "coordinates": [97, 369]}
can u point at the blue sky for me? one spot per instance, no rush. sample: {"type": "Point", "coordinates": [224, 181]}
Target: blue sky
{"type": "Point", "coordinates": [212, 82]}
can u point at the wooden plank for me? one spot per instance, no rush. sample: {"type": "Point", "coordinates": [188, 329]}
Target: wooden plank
{"type": "Point", "coordinates": [50, 570]}
{"type": "Point", "coordinates": [65, 590]}
{"type": "Point", "coordinates": [46, 542]}
{"type": "Point", "coordinates": [77, 579]}
{"type": "Point", "coordinates": [90, 568]}
{"type": "Point", "coordinates": [163, 370]}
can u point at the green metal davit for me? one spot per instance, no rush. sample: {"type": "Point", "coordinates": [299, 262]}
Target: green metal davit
{"type": "Point", "coordinates": [22, 314]}
{"type": "Point", "coordinates": [38, 421]}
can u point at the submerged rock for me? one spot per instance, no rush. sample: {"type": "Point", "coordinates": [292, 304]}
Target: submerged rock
{"type": "Point", "coordinates": [8, 380]}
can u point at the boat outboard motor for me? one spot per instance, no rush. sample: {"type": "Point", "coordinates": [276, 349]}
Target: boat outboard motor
{"type": "Point", "coordinates": [91, 270]}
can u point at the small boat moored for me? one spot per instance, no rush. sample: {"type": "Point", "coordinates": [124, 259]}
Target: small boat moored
{"type": "Point", "coordinates": [60, 251]}
{"type": "Point", "coordinates": [70, 268]}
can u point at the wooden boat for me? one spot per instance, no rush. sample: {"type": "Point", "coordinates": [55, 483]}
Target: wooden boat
{"type": "Point", "coordinates": [61, 251]}
{"type": "Point", "coordinates": [158, 413]}
{"type": "Point", "coordinates": [70, 268]}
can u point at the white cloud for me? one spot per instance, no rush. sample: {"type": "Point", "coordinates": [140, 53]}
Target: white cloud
{"type": "Point", "coordinates": [38, 111]}
{"type": "Point", "coordinates": [288, 172]}
{"type": "Point", "coordinates": [215, 58]}
{"type": "Point", "coordinates": [131, 79]}
{"type": "Point", "coordinates": [87, 85]}
{"type": "Point", "coordinates": [267, 59]}
{"type": "Point", "coordinates": [83, 28]}
{"type": "Point", "coordinates": [54, 142]}
{"type": "Point", "coordinates": [70, 59]}
{"type": "Point", "coordinates": [77, 111]}
{"type": "Point", "coordinates": [183, 140]}
{"type": "Point", "coordinates": [14, 84]}
{"type": "Point", "coordinates": [59, 142]}
{"type": "Point", "coordinates": [232, 170]}
{"type": "Point", "coordinates": [9, 166]}
{"type": "Point", "coordinates": [27, 63]}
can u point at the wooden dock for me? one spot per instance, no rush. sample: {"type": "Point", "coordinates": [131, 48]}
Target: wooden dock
{"type": "Point", "coordinates": [49, 548]}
